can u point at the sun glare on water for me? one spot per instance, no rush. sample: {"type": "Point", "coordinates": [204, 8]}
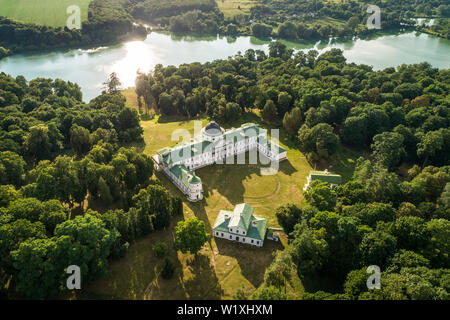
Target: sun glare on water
{"type": "Point", "coordinates": [138, 57]}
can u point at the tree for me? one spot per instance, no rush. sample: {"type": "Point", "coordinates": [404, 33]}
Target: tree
{"type": "Point", "coordinates": [160, 249]}
{"type": "Point", "coordinates": [435, 145]}
{"type": "Point", "coordinates": [53, 214]}
{"type": "Point", "coordinates": [165, 103]}
{"type": "Point", "coordinates": [11, 168]}
{"type": "Point", "coordinates": [410, 232]}
{"type": "Point", "coordinates": [155, 202]}
{"type": "Point", "coordinates": [320, 140]}
{"type": "Point", "coordinates": [388, 149]}
{"type": "Point", "coordinates": [91, 244]}
{"type": "Point", "coordinates": [308, 249]}
{"type": "Point", "coordinates": [269, 113]}
{"type": "Point", "coordinates": [279, 271]}
{"type": "Point", "coordinates": [407, 209]}
{"type": "Point", "coordinates": [8, 194]}
{"type": "Point", "coordinates": [353, 22]}
{"type": "Point", "coordinates": [284, 102]}
{"type": "Point", "coordinates": [351, 192]}
{"type": "Point", "coordinates": [407, 259]}
{"type": "Point", "coordinates": [104, 191]}
{"type": "Point", "coordinates": [190, 235]}
{"type": "Point", "coordinates": [26, 208]}
{"type": "Point", "coordinates": [112, 84]}
{"type": "Point", "coordinates": [276, 49]}
{"type": "Point", "coordinates": [37, 143]}
{"type": "Point", "coordinates": [81, 141]}
{"type": "Point", "coordinates": [320, 195]}
{"type": "Point", "coordinates": [444, 199]}
{"type": "Point", "coordinates": [292, 121]}
{"type": "Point", "coordinates": [438, 248]}
{"type": "Point", "coordinates": [13, 234]}
{"type": "Point", "coordinates": [377, 248]}
{"type": "Point", "coordinates": [261, 30]}
{"type": "Point", "coordinates": [288, 216]}
{"type": "Point", "coordinates": [356, 283]}
{"type": "Point", "coordinates": [168, 269]}
{"type": "Point", "coordinates": [270, 293]}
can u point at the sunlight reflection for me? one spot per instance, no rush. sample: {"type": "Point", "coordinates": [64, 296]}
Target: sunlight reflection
{"type": "Point", "coordinates": [138, 57]}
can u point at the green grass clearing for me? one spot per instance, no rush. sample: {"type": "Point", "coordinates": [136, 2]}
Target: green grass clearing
{"type": "Point", "coordinates": [42, 12]}
{"type": "Point", "coordinates": [231, 8]}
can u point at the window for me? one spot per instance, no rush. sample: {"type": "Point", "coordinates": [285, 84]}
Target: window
{"type": "Point", "coordinates": [257, 242]}
{"type": "Point", "coordinates": [222, 234]}
{"type": "Point", "coordinates": [217, 233]}
{"type": "Point", "coordinates": [251, 241]}
{"type": "Point", "coordinates": [231, 237]}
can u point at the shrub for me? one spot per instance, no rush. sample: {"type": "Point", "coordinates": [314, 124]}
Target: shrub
{"type": "Point", "coordinates": [160, 249]}
{"type": "Point", "coordinates": [167, 269]}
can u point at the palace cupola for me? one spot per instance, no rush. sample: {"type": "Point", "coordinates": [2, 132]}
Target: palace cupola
{"type": "Point", "coordinates": [212, 132]}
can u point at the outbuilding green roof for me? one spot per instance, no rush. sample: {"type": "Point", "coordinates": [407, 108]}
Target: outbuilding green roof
{"type": "Point", "coordinates": [326, 176]}
{"type": "Point", "coordinates": [222, 221]}
{"type": "Point", "coordinates": [258, 228]}
{"type": "Point", "coordinates": [242, 216]}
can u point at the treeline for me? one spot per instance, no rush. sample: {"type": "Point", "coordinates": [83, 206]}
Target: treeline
{"type": "Point", "coordinates": [308, 20]}
{"type": "Point", "coordinates": [160, 11]}
{"type": "Point", "coordinates": [441, 28]}
{"type": "Point", "coordinates": [374, 219]}
{"type": "Point", "coordinates": [59, 157]}
{"type": "Point", "coordinates": [108, 21]}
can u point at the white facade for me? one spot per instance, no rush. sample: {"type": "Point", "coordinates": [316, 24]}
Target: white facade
{"type": "Point", "coordinates": [242, 239]}
{"type": "Point", "coordinates": [214, 146]}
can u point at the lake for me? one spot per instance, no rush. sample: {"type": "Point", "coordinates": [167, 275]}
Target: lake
{"type": "Point", "coordinates": [90, 67]}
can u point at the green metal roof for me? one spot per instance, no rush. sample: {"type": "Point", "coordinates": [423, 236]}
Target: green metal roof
{"type": "Point", "coordinates": [243, 217]}
{"type": "Point", "coordinates": [184, 175]}
{"type": "Point", "coordinates": [222, 221]}
{"type": "Point", "coordinates": [186, 151]}
{"type": "Point", "coordinates": [326, 176]}
{"type": "Point", "coordinates": [258, 228]}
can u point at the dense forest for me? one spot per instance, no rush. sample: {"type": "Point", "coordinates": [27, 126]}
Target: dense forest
{"type": "Point", "coordinates": [58, 157]}
{"type": "Point", "coordinates": [394, 212]}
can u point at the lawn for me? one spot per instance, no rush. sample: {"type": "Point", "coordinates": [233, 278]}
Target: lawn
{"type": "Point", "coordinates": [42, 12]}
{"type": "Point", "coordinates": [221, 267]}
{"type": "Point", "coordinates": [231, 8]}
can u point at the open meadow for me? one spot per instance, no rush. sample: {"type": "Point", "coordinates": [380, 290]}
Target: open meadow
{"type": "Point", "coordinates": [42, 12]}
{"type": "Point", "coordinates": [232, 8]}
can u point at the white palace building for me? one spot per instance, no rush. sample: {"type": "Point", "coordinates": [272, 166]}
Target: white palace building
{"type": "Point", "coordinates": [214, 145]}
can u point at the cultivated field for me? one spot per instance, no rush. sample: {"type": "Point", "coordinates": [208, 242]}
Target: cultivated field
{"type": "Point", "coordinates": [42, 12]}
{"type": "Point", "coordinates": [221, 267]}
{"type": "Point", "coordinates": [231, 8]}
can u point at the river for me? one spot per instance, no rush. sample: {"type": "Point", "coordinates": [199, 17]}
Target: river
{"type": "Point", "coordinates": [90, 67]}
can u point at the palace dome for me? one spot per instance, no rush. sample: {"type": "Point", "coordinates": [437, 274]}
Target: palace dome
{"type": "Point", "coordinates": [213, 129]}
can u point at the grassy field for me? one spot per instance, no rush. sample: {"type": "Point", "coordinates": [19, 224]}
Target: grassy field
{"type": "Point", "coordinates": [221, 267]}
{"type": "Point", "coordinates": [42, 12]}
{"type": "Point", "coordinates": [231, 8]}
